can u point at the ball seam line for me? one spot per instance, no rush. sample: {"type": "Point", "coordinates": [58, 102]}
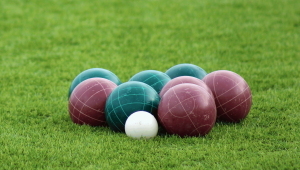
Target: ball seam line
{"type": "Point", "coordinates": [115, 114]}
{"type": "Point", "coordinates": [85, 114]}
{"type": "Point", "coordinates": [89, 99]}
{"type": "Point", "coordinates": [236, 84]}
{"type": "Point", "coordinates": [185, 110]}
{"type": "Point", "coordinates": [234, 97]}
{"type": "Point", "coordinates": [217, 98]}
{"type": "Point", "coordinates": [235, 106]}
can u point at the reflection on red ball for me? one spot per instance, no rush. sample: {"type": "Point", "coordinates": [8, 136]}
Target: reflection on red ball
{"type": "Point", "coordinates": [232, 95]}
{"type": "Point", "coordinates": [187, 110]}
{"type": "Point", "coordinates": [87, 101]}
{"type": "Point", "coordinates": [181, 80]}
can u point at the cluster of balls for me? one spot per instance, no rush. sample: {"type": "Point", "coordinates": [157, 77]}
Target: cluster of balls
{"type": "Point", "coordinates": [184, 100]}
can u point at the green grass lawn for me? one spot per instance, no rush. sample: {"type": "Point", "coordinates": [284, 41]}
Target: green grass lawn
{"type": "Point", "coordinates": [45, 44]}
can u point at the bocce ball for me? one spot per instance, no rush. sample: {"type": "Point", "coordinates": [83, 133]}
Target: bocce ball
{"type": "Point", "coordinates": [128, 98]}
{"type": "Point", "coordinates": [181, 80]}
{"type": "Point", "coordinates": [92, 73]}
{"type": "Point", "coordinates": [232, 95]}
{"type": "Point", "coordinates": [153, 78]}
{"type": "Point", "coordinates": [186, 70]}
{"type": "Point", "coordinates": [141, 124]}
{"type": "Point", "coordinates": [87, 102]}
{"type": "Point", "coordinates": [187, 110]}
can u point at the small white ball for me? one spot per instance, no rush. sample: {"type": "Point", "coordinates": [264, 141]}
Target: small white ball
{"type": "Point", "coordinates": [141, 124]}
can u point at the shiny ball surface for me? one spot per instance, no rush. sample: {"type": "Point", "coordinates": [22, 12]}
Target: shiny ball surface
{"type": "Point", "coordinates": [231, 93]}
{"type": "Point", "coordinates": [128, 98]}
{"type": "Point", "coordinates": [186, 70]}
{"type": "Point", "coordinates": [93, 73]}
{"type": "Point", "coordinates": [153, 78]}
{"type": "Point", "coordinates": [87, 102]}
{"type": "Point", "coordinates": [187, 110]}
{"type": "Point", "coordinates": [141, 124]}
{"type": "Point", "coordinates": [181, 80]}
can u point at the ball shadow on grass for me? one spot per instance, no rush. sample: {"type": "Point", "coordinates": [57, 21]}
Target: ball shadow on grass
{"type": "Point", "coordinates": [221, 122]}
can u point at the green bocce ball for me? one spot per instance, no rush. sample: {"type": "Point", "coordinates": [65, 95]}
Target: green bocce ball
{"type": "Point", "coordinates": [186, 70]}
{"type": "Point", "coordinates": [153, 78]}
{"type": "Point", "coordinates": [92, 73]}
{"type": "Point", "coordinates": [128, 98]}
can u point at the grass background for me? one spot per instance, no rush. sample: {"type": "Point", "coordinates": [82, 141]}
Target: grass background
{"type": "Point", "coordinates": [45, 44]}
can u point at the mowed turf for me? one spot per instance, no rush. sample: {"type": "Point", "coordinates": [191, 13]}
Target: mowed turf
{"type": "Point", "coordinates": [45, 44]}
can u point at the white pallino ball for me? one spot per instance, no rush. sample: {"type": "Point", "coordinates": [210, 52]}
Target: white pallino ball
{"type": "Point", "coordinates": [141, 124]}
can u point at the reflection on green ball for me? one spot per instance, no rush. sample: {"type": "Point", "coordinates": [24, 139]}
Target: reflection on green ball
{"type": "Point", "coordinates": [91, 73]}
{"type": "Point", "coordinates": [186, 70]}
{"type": "Point", "coordinates": [128, 98]}
{"type": "Point", "coordinates": [153, 78]}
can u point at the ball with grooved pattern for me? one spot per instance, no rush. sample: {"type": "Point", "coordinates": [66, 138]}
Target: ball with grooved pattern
{"type": "Point", "coordinates": [181, 80]}
{"type": "Point", "coordinates": [186, 70]}
{"type": "Point", "coordinates": [93, 73]}
{"type": "Point", "coordinates": [87, 101]}
{"type": "Point", "coordinates": [232, 95]}
{"type": "Point", "coordinates": [128, 98]}
{"type": "Point", "coordinates": [156, 79]}
{"type": "Point", "coordinates": [187, 110]}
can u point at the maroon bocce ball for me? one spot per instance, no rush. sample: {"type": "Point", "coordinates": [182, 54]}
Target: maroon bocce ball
{"type": "Point", "coordinates": [87, 101]}
{"type": "Point", "coordinates": [181, 80]}
{"type": "Point", "coordinates": [187, 110]}
{"type": "Point", "coordinates": [232, 95]}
